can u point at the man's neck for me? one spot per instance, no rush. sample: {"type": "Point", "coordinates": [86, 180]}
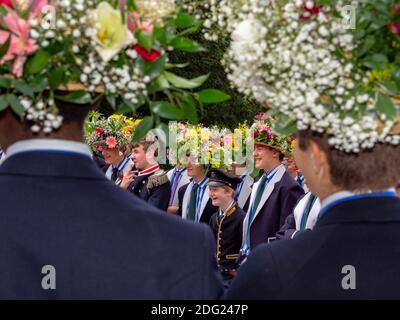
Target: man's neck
{"type": "Point", "coordinates": [118, 161]}
{"type": "Point", "coordinates": [198, 179]}
{"type": "Point", "coordinates": [148, 166]}
{"type": "Point", "coordinates": [272, 167]}
{"type": "Point", "coordinates": [225, 206]}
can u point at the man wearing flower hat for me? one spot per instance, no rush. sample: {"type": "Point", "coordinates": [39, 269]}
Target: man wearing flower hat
{"type": "Point", "coordinates": [348, 128]}
{"type": "Point", "coordinates": [274, 196]}
{"type": "Point", "coordinates": [110, 137]}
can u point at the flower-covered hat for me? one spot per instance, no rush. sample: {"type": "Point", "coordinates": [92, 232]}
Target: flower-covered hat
{"type": "Point", "coordinates": [330, 68]}
{"type": "Point", "coordinates": [264, 134]}
{"type": "Point", "coordinates": [113, 132]}
{"type": "Point", "coordinates": [209, 147]}
{"type": "Point", "coordinates": [78, 51]}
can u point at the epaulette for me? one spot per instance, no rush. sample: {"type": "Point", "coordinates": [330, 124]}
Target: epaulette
{"type": "Point", "coordinates": [157, 179]}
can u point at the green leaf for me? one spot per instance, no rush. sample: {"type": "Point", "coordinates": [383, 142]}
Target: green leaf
{"type": "Point", "coordinates": [187, 45]}
{"type": "Point", "coordinates": [161, 35]}
{"type": "Point", "coordinates": [160, 84]}
{"type": "Point", "coordinates": [143, 128]}
{"type": "Point", "coordinates": [24, 88]}
{"type": "Point", "coordinates": [165, 130]}
{"type": "Point", "coordinates": [184, 20]}
{"type": "Point", "coordinates": [39, 61]}
{"type": "Point", "coordinates": [212, 96]}
{"type": "Point", "coordinates": [190, 110]}
{"type": "Point", "coordinates": [78, 97]}
{"type": "Point", "coordinates": [3, 103]}
{"type": "Point", "coordinates": [385, 105]}
{"type": "Point", "coordinates": [123, 108]}
{"type": "Point", "coordinates": [145, 39]}
{"type": "Point", "coordinates": [111, 100]}
{"type": "Point", "coordinates": [168, 111]}
{"type": "Point", "coordinates": [39, 84]}
{"type": "Point", "coordinates": [369, 42]}
{"type": "Point", "coordinates": [4, 47]}
{"type": "Point", "coordinates": [183, 83]}
{"type": "Point", "coordinates": [154, 69]}
{"type": "Point", "coordinates": [5, 83]}
{"type": "Point", "coordinates": [56, 77]}
{"type": "Point", "coordinates": [376, 61]}
{"type": "Point", "coordinates": [179, 66]}
{"type": "Point", "coordinates": [15, 105]}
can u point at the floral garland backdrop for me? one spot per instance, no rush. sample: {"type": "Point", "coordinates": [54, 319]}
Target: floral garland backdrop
{"type": "Point", "coordinates": [94, 49]}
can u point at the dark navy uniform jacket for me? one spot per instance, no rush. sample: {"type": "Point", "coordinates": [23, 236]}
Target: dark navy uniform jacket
{"type": "Point", "coordinates": [154, 189]}
{"type": "Point", "coordinates": [353, 252]}
{"type": "Point", "coordinates": [59, 210]}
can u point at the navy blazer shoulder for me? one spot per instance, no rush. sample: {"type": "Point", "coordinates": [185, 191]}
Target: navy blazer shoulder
{"type": "Point", "coordinates": [361, 234]}
{"type": "Point", "coordinates": [58, 209]}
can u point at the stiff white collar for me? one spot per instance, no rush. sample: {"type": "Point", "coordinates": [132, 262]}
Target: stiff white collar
{"type": "Point", "coordinates": [336, 196]}
{"type": "Point", "coordinates": [52, 145]}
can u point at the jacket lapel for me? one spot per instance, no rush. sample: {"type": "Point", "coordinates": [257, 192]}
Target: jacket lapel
{"type": "Point", "coordinates": [269, 189]}
{"type": "Point", "coordinates": [245, 192]}
{"type": "Point", "coordinates": [204, 201]}
{"type": "Point", "coordinates": [185, 201]}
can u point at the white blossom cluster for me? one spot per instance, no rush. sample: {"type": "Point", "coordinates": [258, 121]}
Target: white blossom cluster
{"type": "Point", "coordinates": [219, 16]}
{"type": "Point", "coordinates": [42, 113]}
{"type": "Point", "coordinates": [75, 20]}
{"type": "Point", "coordinates": [294, 66]}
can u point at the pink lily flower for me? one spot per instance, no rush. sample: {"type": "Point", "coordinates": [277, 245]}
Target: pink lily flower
{"type": "Point", "coordinates": [21, 46]}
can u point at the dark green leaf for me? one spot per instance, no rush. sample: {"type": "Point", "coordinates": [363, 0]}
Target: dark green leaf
{"type": "Point", "coordinates": [184, 20]}
{"type": "Point", "coordinates": [180, 82]}
{"type": "Point", "coordinates": [111, 100]}
{"type": "Point", "coordinates": [145, 39]}
{"type": "Point", "coordinates": [187, 45]}
{"type": "Point", "coordinates": [375, 61]}
{"type": "Point", "coordinates": [39, 61]}
{"type": "Point", "coordinates": [3, 103]}
{"type": "Point", "coordinates": [190, 110]}
{"type": "Point", "coordinates": [39, 84]}
{"type": "Point", "coordinates": [143, 128]}
{"type": "Point", "coordinates": [4, 47]}
{"type": "Point", "coordinates": [154, 69]}
{"type": "Point", "coordinates": [385, 106]}
{"type": "Point", "coordinates": [16, 106]}
{"type": "Point", "coordinates": [78, 97]}
{"type": "Point", "coordinates": [5, 83]}
{"type": "Point", "coordinates": [56, 77]}
{"type": "Point", "coordinates": [212, 96]}
{"type": "Point", "coordinates": [168, 111]}
{"type": "Point", "coordinates": [24, 88]}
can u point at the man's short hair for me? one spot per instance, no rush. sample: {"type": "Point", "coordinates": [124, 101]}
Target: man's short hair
{"type": "Point", "coordinates": [146, 144]}
{"type": "Point", "coordinates": [371, 170]}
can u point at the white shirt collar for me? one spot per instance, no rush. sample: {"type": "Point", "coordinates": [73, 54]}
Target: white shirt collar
{"type": "Point", "coordinates": [52, 145]}
{"type": "Point", "coordinates": [336, 196]}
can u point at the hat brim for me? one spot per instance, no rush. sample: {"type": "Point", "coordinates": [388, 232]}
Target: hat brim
{"type": "Point", "coordinates": [216, 184]}
{"type": "Point", "coordinates": [267, 145]}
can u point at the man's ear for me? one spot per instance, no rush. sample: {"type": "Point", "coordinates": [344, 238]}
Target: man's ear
{"type": "Point", "coordinates": [318, 159]}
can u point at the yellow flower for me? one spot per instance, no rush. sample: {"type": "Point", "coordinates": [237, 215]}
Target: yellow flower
{"type": "Point", "coordinates": [112, 34]}
{"type": "Point", "coordinates": [128, 129]}
{"type": "Point", "coordinates": [116, 116]}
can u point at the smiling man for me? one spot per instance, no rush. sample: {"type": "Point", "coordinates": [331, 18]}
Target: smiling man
{"type": "Point", "coordinates": [274, 196]}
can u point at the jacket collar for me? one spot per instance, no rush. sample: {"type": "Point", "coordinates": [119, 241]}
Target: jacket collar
{"type": "Point", "coordinates": [52, 164]}
{"type": "Point", "coordinates": [383, 209]}
{"type": "Point", "coordinates": [48, 145]}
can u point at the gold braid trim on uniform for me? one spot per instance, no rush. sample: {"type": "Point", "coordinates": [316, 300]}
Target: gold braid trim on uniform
{"type": "Point", "coordinates": [157, 179]}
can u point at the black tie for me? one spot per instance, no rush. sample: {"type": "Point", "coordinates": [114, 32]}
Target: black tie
{"type": "Point", "coordinates": [114, 175]}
